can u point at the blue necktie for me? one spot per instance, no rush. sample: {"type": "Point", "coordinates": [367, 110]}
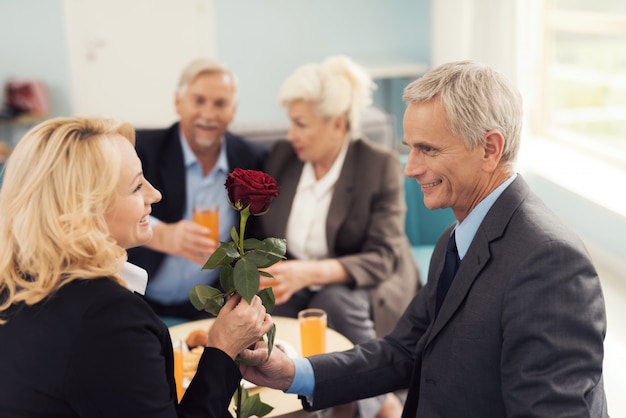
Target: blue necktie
{"type": "Point", "coordinates": [451, 265]}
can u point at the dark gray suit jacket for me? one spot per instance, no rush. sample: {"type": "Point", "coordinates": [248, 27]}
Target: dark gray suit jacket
{"type": "Point", "coordinates": [365, 224]}
{"type": "Point", "coordinates": [520, 333]}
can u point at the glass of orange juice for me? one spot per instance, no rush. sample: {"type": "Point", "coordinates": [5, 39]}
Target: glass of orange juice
{"type": "Point", "coordinates": [206, 213]}
{"type": "Point", "coordinates": [312, 331]}
{"type": "Point", "coordinates": [179, 372]}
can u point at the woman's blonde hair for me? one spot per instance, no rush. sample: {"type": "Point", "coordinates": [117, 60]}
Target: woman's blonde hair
{"type": "Point", "coordinates": [335, 87]}
{"type": "Point", "coordinates": [58, 182]}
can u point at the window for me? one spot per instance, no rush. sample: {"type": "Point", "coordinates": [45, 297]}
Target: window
{"type": "Point", "coordinates": [583, 88]}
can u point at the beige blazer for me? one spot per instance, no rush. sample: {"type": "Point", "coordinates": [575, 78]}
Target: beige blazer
{"type": "Point", "coordinates": [365, 224]}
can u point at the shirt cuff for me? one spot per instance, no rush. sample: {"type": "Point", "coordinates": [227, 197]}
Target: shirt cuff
{"type": "Point", "coordinates": [304, 379]}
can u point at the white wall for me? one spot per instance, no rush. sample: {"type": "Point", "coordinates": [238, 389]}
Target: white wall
{"type": "Point", "coordinates": [481, 30]}
{"type": "Point", "coordinates": [261, 40]}
{"type": "Point", "coordinates": [125, 64]}
{"type": "Point", "coordinates": [264, 41]}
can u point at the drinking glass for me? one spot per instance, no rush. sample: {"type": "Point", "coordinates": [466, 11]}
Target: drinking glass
{"type": "Point", "coordinates": [179, 372]}
{"type": "Point", "coordinates": [206, 213]}
{"type": "Point", "coordinates": [312, 331]}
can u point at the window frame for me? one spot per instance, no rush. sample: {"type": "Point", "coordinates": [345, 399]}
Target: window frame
{"type": "Point", "coordinates": [553, 21]}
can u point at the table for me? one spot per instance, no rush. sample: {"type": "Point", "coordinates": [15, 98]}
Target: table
{"type": "Point", "coordinates": [287, 329]}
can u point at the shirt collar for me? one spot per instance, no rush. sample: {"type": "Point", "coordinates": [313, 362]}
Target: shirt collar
{"type": "Point", "coordinates": [135, 277]}
{"type": "Point", "coordinates": [465, 231]}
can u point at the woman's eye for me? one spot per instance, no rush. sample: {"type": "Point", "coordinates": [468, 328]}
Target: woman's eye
{"type": "Point", "coordinates": [139, 187]}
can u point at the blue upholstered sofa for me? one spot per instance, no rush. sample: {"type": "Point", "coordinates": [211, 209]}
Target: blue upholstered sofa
{"type": "Point", "coordinates": [423, 226]}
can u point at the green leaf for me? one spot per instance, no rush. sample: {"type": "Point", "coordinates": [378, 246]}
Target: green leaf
{"type": "Point", "coordinates": [223, 256]}
{"type": "Point", "coordinates": [267, 299]}
{"type": "Point", "coordinates": [253, 244]}
{"type": "Point", "coordinates": [263, 409]}
{"type": "Point", "coordinates": [227, 280]}
{"type": "Point", "coordinates": [252, 405]}
{"type": "Point", "coordinates": [265, 273]}
{"type": "Point", "coordinates": [234, 235]}
{"type": "Point", "coordinates": [207, 298]}
{"type": "Point", "coordinates": [270, 252]}
{"type": "Point", "coordinates": [275, 246]}
{"type": "Point", "coordinates": [246, 278]}
{"type": "Point", "coordinates": [271, 335]}
{"type": "Point", "coordinates": [230, 248]}
{"type": "Point", "coordinates": [259, 258]}
{"type": "Point", "coordinates": [270, 260]}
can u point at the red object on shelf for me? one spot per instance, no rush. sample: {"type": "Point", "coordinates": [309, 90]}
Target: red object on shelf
{"type": "Point", "coordinates": [27, 96]}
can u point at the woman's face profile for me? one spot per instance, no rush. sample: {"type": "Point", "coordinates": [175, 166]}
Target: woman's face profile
{"type": "Point", "coordinates": [127, 216]}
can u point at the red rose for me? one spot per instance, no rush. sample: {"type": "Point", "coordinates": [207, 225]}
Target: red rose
{"type": "Point", "coordinates": [251, 188]}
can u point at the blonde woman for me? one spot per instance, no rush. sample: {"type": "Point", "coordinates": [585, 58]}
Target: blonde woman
{"type": "Point", "coordinates": [341, 208]}
{"type": "Point", "coordinates": [75, 338]}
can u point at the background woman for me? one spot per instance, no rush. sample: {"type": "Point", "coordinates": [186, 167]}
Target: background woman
{"type": "Point", "coordinates": [341, 208]}
{"type": "Point", "coordinates": [74, 340]}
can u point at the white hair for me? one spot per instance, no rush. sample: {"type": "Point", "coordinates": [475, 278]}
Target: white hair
{"type": "Point", "coordinates": [335, 87]}
{"type": "Point", "coordinates": [203, 66]}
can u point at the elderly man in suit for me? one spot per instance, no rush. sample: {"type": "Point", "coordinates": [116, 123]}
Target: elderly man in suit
{"type": "Point", "coordinates": [191, 157]}
{"type": "Point", "coordinates": [518, 329]}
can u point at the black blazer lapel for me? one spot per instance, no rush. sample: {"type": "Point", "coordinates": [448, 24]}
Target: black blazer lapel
{"type": "Point", "coordinates": [172, 172]}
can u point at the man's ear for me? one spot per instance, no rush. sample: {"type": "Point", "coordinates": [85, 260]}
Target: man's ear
{"type": "Point", "coordinates": [493, 147]}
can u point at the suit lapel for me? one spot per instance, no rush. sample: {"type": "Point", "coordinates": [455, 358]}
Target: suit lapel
{"type": "Point", "coordinates": [469, 269]}
{"type": "Point", "coordinates": [172, 171]}
{"type": "Point", "coordinates": [478, 254]}
{"type": "Point", "coordinates": [282, 205]}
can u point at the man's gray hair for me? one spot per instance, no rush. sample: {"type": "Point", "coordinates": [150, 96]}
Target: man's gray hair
{"type": "Point", "coordinates": [203, 66]}
{"type": "Point", "coordinates": [476, 99]}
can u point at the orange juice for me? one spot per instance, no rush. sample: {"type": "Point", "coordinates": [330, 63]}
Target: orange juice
{"type": "Point", "coordinates": [179, 374]}
{"type": "Point", "coordinates": [209, 218]}
{"type": "Point", "coordinates": [312, 331]}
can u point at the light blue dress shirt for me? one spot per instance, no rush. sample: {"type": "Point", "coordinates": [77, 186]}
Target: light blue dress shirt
{"type": "Point", "coordinates": [177, 276]}
{"type": "Point", "coordinates": [304, 379]}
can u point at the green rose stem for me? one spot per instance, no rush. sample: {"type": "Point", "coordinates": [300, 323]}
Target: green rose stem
{"type": "Point", "coordinates": [243, 219]}
{"type": "Point", "coordinates": [238, 401]}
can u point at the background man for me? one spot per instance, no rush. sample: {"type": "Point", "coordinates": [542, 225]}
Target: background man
{"type": "Point", "coordinates": [191, 157]}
